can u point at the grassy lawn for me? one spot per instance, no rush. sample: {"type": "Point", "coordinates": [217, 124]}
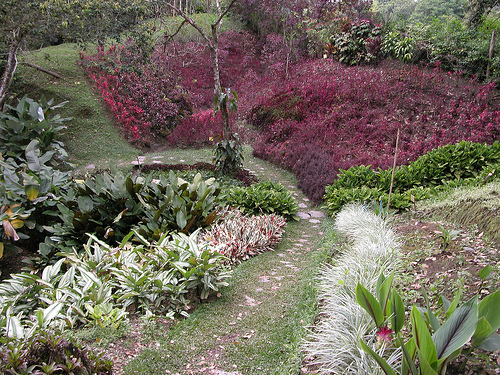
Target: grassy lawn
{"type": "Point", "coordinates": [90, 137]}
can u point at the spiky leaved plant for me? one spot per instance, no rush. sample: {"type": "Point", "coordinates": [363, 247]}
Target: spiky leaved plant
{"type": "Point", "coordinates": [335, 342]}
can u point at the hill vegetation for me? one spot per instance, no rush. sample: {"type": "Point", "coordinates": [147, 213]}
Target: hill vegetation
{"type": "Point", "coordinates": [383, 103]}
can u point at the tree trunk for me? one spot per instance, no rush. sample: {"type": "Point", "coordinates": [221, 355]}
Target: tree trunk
{"type": "Point", "coordinates": [490, 55]}
{"type": "Point", "coordinates": [213, 45]}
{"type": "Point", "coordinates": [10, 67]}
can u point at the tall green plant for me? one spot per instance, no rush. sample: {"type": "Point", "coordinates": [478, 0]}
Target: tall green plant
{"type": "Point", "coordinates": [433, 343]}
{"type": "Point", "coordinates": [28, 121]}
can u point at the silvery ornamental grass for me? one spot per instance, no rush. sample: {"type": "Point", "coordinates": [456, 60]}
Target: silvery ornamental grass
{"type": "Point", "coordinates": [333, 343]}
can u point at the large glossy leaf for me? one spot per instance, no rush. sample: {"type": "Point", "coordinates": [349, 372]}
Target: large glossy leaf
{"type": "Point", "coordinates": [31, 192]}
{"type": "Point", "coordinates": [426, 367]}
{"type": "Point", "coordinates": [457, 330]}
{"type": "Point", "coordinates": [368, 302]}
{"type": "Point", "coordinates": [422, 337]}
{"type": "Point", "coordinates": [483, 330]}
{"type": "Point", "coordinates": [383, 291]}
{"type": "Point", "coordinates": [31, 154]}
{"type": "Point", "coordinates": [408, 358]}
{"type": "Point", "coordinates": [491, 343]}
{"type": "Point", "coordinates": [489, 307]}
{"type": "Point", "coordinates": [398, 312]}
{"type": "Point", "coordinates": [14, 327]}
{"type": "Point", "coordinates": [382, 362]}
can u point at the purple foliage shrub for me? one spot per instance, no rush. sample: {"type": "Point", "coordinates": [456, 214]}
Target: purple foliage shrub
{"type": "Point", "coordinates": [193, 63]}
{"type": "Point", "coordinates": [327, 117]}
{"type": "Point", "coordinates": [198, 130]}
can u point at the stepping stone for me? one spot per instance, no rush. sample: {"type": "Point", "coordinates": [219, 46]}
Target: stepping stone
{"type": "Point", "coordinates": [317, 214]}
{"type": "Point", "coordinates": [157, 157]}
{"type": "Point", "coordinates": [314, 221]}
{"type": "Point", "coordinates": [303, 205]}
{"type": "Point", "coordinates": [303, 215]}
{"type": "Point", "coordinates": [90, 166]}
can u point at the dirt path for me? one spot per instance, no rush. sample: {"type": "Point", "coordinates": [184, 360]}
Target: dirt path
{"type": "Point", "coordinates": [257, 324]}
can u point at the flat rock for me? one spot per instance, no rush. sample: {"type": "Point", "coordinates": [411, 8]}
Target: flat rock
{"type": "Point", "coordinates": [303, 215]}
{"type": "Point", "coordinates": [317, 214]}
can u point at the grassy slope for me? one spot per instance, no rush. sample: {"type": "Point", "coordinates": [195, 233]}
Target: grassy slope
{"type": "Point", "coordinates": [91, 136]}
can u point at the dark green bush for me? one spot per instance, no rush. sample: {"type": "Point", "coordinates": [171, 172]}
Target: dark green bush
{"type": "Point", "coordinates": [263, 198]}
{"type": "Point", "coordinates": [356, 42]}
{"type": "Point", "coordinates": [29, 182]}
{"type": "Point", "coordinates": [447, 165]}
{"type": "Point", "coordinates": [30, 121]}
{"type": "Point", "coordinates": [111, 205]}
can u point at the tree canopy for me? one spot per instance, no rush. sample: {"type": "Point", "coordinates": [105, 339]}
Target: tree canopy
{"type": "Point", "coordinates": [30, 23]}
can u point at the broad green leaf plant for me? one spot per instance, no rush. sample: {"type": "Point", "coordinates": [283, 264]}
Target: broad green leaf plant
{"type": "Point", "coordinates": [433, 344]}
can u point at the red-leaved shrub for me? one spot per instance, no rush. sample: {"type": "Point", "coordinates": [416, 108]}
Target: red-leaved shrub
{"type": "Point", "coordinates": [328, 117]}
{"type": "Point", "coordinates": [146, 99]}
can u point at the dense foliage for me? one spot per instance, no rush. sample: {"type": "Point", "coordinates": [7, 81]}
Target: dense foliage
{"type": "Point", "coordinates": [50, 353]}
{"type": "Point", "coordinates": [239, 237]}
{"type": "Point", "coordinates": [146, 100]}
{"type": "Point", "coordinates": [263, 198]}
{"type": "Point", "coordinates": [328, 117]}
{"type": "Point", "coordinates": [465, 162]}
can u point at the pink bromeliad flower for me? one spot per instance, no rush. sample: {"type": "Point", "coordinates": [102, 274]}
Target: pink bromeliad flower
{"type": "Point", "coordinates": [384, 335]}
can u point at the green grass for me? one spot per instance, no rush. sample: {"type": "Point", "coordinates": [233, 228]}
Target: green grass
{"type": "Point", "coordinates": [255, 327]}
{"type": "Point", "coordinates": [91, 137]}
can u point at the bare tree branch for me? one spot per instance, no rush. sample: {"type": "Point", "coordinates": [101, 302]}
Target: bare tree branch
{"type": "Point", "coordinates": [171, 36]}
{"type": "Point", "coordinates": [189, 20]}
{"type": "Point", "coordinates": [10, 66]}
{"type": "Point", "coordinates": [37, 67]}
{"type": "Point", "coordinates": [223, 14]}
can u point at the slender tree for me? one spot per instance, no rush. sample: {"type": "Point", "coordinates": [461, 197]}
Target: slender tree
{"type": "Point", "coordinates": [212, 41]}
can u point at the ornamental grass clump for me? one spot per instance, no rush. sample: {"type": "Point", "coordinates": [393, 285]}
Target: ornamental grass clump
{"type": "Point", "coordinates": [239, 237]}
{"type": "Point", "coordinates": [334, 344]}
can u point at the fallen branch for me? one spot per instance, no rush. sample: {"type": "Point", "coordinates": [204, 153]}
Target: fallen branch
{"type": "Point", "coordinates": [37, 67]}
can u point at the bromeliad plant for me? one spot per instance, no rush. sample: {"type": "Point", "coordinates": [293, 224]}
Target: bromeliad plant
{"type": "Point", "coordinates": [433, 343]}
{"type": "Point", "coordinates": [239, 237]}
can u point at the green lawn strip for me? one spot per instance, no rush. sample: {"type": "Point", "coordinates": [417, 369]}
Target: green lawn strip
{"type": "Point", "coordinates": [91, 136]}
{"type": "Point", "coordinates": [258, 323]}
{"type": "Point", "coordinates": [256, 326]}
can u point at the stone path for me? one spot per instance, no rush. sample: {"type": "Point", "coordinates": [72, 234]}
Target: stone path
{"type": "Point", "coordinates": [266, 288]}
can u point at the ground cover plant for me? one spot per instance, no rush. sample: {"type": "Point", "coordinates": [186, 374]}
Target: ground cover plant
{"type": "Point", "coordinates": [465, 163]}
{"type": "Point", "coordinates": [337, 345]}
{"type": "Point", "coordinates": [263, 198]}
{"type": "Point", "coordinates": [273, 346]}
{"type": "Point", "coordinates": [329, 117]}
{"type": "Point", "coordinates": [334, 343]}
